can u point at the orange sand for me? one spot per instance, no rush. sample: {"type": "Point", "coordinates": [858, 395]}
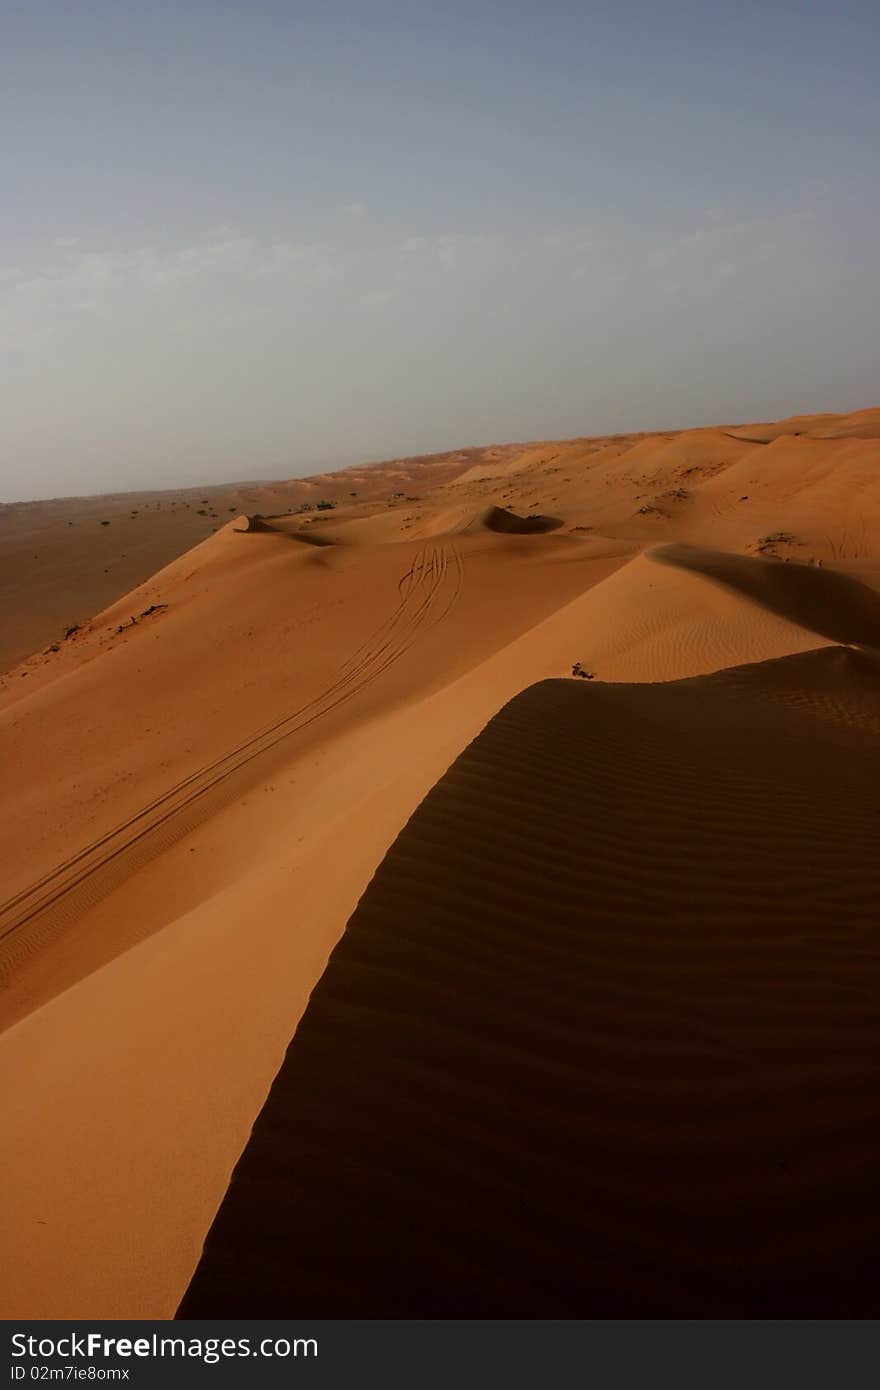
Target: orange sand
{"type": "Point", "coordinates": [201, 781]}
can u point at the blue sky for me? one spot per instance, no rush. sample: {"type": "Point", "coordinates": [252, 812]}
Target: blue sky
{"type": "Point", "coordinates": [256, 239]}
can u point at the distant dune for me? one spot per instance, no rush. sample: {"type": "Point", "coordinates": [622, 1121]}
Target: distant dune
{"type": "Point", "coordinates": [64, 560]}
{"type": "Point", "coordinates": [580, 739]}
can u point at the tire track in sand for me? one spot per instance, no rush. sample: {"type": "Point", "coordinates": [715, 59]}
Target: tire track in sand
{"type": "Point", "coordinates": [31, 917]}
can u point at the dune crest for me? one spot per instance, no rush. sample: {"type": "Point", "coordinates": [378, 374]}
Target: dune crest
{"type": "Point", "coordinates": [237, 705]}
{"type": "Point", "coordinates": [593, 1079]}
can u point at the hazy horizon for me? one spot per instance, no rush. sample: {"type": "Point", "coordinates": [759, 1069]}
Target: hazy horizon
{"type": "Point", "coordinates": [261, 241]}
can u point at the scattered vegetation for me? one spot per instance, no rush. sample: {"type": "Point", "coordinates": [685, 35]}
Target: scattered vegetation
{"type": "Point", "coordinates": [579, 670]}
{"type": "Point", "coordinates": [135, 618]}
{"type": "Point", "coordinates": [326, 506]}
{"type": "Point", "coordinates": [767, 544]}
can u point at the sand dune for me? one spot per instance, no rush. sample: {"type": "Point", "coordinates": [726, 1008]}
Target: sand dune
{"type": "Point", "coordinates": [60, 563]}
{"type": "Point", "coordinates": [628, 1071]}
{"type": "Point", "coordinates": [859, 423]}
{"type": "Point", "coordinates": [833, 605]}
{"type": "Point", "coordinates": [213, 757]}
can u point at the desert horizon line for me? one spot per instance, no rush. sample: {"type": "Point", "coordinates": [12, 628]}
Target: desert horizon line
{"type": "Point", "coordinates": [375, 460]}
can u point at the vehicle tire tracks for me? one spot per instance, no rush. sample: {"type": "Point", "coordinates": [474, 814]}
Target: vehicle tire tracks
{"type": "Point", "coordinates": [426, 594]}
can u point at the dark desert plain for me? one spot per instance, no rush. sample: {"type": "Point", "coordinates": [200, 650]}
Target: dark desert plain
{"type": "Point", "coordinates": [459, 901]}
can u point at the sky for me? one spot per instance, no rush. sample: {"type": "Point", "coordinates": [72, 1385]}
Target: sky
{"type": "Point", "coordinates": [248, 239]}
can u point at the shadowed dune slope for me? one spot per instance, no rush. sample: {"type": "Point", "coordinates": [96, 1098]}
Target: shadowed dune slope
{"type": "Point", "coordinates": [600, 1036]}
{"type": "Point", "coordinates": [831, 604]}
{"type": "Point", "coordinates": [290, 526]}
{"type": "Point", "coordinates": [507, 523]}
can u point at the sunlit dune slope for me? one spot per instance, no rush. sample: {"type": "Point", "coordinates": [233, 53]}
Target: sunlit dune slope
{"type": "Point", "coordinates": [238, 657]}
{"type": "Point", "coordinates": [61, 561]}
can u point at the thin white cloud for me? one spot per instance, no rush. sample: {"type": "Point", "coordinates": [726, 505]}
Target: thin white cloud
{"type": "Point", "coordinates": [232, 275]}
{"type": "Point", "coordinates": [726, 247]}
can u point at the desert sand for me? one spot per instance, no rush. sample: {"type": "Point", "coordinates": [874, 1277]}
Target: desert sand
{"type": "Point", "coordinates": [598, 1037]}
